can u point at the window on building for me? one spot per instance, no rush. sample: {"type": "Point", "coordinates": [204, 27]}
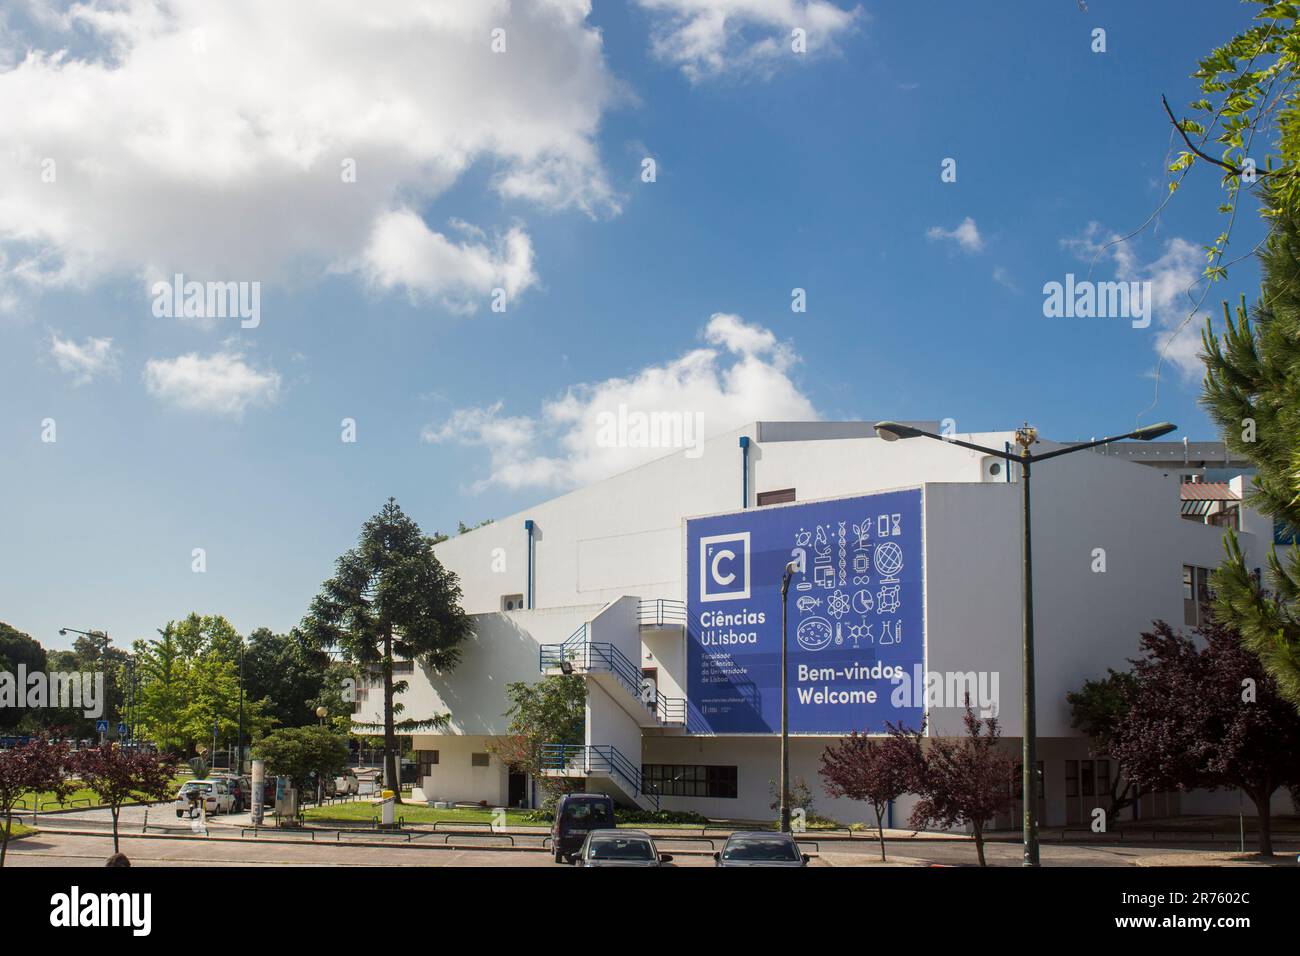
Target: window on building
{"type": "Point", "coordinates": [1017, 787]}
{"type": "Point", "coordinates": [479, 760]}
{"type": "Point", "coordinates": [512, 602]}
{"type": "Point", "coordinates": [1196, 594]}
{"type": "Point", "coordinates": [775, 497]}
{"type": "Point", "coordinates": [426, 760]}
{"type": "Point", "coordinates": [689, 780]}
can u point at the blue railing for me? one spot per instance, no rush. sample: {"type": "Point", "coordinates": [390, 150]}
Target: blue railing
{"type": "Point", "coordinates": [599, 656]}
{"type": "Point", "coordinates": [597, 759]}
{"type": "Point", "coordinates": [660, 612]}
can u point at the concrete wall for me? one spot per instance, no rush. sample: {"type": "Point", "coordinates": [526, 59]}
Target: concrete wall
{"type": "Point", "coordinates": [502, 650]}
{"type": "Point", "coordinates": [617, 624]}
{"type": "Point", "coordinates": [608, 724]}
{"type": "Point", "coordinates": [454, 778]}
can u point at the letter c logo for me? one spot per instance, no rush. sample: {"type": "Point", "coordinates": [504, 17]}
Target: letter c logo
{"type": "Point", "coordinates": [721, 579]}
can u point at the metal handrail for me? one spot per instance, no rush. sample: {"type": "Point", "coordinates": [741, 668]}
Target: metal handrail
{"type": "Point", "coordinates": [598, 758]}
{"type": "Point", "coordinates": [607, 657]}
{"type": "Point", "coordinates": [656, 612]}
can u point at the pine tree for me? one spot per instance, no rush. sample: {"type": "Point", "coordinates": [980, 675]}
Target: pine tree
{"type": "Point", "coordinates": [1252, 391]}
{"type": "Point", "coordinates": [391, 597]}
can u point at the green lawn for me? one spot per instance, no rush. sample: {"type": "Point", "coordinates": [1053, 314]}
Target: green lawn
{"type": "Point", "coordinates": [81, 798]}
{"type": "Point", "coordinates": [364, 811]}
{"type": "Point", "coordinates": [17, 829]}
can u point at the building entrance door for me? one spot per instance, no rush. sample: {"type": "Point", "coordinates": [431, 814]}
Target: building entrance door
{"type": "Point", "coordinates": [516, 788]}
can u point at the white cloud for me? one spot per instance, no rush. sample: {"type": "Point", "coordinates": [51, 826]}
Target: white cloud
{"type": "Point", "coordinates": [84, 362]}
{"type": "Point", "coordinates": [1003, 278]}
{"type": "Point", "coordinates": [708, 38]}
{"type": "Point", "coordinates": [403, 252]}
{"type": "Point", "coordinates": [222, 383]}
{"type": "Point", "coordinates": [743, 377]}
{"type": "Point", "coordinates": [966, 234]}
{"type": "Point", "coordinates": [1176, 285]}
{"type": "Point", "coordinates": [209, 138]}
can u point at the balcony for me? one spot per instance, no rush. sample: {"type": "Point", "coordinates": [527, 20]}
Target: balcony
{"type": "Point", "coordinates": [661, 612]}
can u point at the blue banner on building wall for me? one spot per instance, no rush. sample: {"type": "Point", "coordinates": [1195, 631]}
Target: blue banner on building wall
{"type": "Point", "coordinates": [855, 615]}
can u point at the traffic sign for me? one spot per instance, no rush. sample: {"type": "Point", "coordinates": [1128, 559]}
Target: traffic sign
{"type": "Point", "coordinates": [101, 726]}
{"type": "Point", "coordinates": [122, 729]}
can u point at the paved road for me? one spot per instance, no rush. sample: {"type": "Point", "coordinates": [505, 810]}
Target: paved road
{"type": "Point", "coordinates": [52, 848]}
{"type": "Point", "coordinates": [66, 849]}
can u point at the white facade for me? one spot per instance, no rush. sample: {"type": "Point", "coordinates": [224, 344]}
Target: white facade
{"type": "Point", "coordinates": [599, 551]}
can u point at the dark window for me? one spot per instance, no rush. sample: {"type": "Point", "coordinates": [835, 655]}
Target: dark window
{"type": "Point", "coordinates": [618, 848]}
{"type": "Point", "coordinates": [479, 760]}
{"type": "Point", "coordinates": [775, 497]}
{"type": "Point", "coordinates": [689, 780]}
{"type": "Point", "coordinates": [1196, 594]}
{"type": "Point", "coordinates": [426, 760]}
{"type": "Point", "coordinates": [773, 849]}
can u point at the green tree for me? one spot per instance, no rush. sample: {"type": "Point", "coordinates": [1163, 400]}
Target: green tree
{"type": "Point", "coordinates": [162, 688]}
{"type": "Point", "coordinates": [390, 597]}
{"type": "Point", "coordinates": [289, 674]}
{"type": "Point", "coordinates": [552, 710]}
{"type": "Point", "coordinates": [1249, 115]}
{"type": "Point", "coordinates": [302, 753]}
{"type": "Point", "coordinates": [188, 684]}
{"type": "Point", "coordinates": [17, 648]}
{"type": "Point", "coordinates": [1252, 391]}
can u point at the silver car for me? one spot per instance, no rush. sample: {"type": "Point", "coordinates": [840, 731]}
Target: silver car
{"type": "Point", "coordinates": [620, 848]}
{"type": "Point", "coordinates": [760, 848]}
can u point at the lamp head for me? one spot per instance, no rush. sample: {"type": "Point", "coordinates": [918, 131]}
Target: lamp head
{"type": "Point", "coordinates": [1026, 435]}
{"type": "Point", "coordinates": [1151, 432]}
{"type": "Point", "coordinates": [893, 431]}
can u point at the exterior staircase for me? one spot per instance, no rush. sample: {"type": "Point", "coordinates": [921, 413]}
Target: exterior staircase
{"type": "Point", "coordinates": [602, 769]}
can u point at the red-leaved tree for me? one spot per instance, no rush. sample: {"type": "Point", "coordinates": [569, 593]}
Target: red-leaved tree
{"type": "Point", "coordinates": [961, 781]}
{"type": "Point", "coordinates": [1203, 714]}
{"type": "Point", "coordinates": [29, 770]}
{"type": "Point", "coordinates": [874, 770]}
{"type": "Point", "coordinates": [118, 775]}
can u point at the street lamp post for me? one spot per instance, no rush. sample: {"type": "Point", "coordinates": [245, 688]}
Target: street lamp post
{"type": "Point", "coordinates": [1026, 437]}
{"type": "Point", "coordinates": [239, 741]}
{"type": "Point", "coordinates": [785, 705]}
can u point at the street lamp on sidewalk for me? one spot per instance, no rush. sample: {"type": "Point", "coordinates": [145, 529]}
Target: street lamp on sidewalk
{"type": "Point", "coordinates": [1026, 437]}
{"type": "Point", "coordinates": [790, 569]}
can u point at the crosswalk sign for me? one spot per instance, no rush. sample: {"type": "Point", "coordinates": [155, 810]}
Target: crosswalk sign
{"type": "Point", "coordinates": [101, 726]}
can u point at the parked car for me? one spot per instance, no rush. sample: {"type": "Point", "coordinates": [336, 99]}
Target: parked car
{"type": "Point", "coordinates": [346, 783]}
{"type": "Point", "coordinates": [241, 788]}
{"type": "Point", "coordinates": [214, 794]}
{"type": "Point", "coordinates": [576, 815]}
{"type": "Point", "coordinates": [620, 848]}
{"type": "Point", "coordinates": [760, 848]}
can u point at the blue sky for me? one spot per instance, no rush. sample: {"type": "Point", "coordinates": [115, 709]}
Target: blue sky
{"type": "Point", "coordinates": [180, 149]}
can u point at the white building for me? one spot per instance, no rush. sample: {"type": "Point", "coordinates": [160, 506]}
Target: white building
{"type": "Point", "coordinates": [597, 578]}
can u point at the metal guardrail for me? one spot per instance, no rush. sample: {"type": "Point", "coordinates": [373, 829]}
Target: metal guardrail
{"type": "Point", "coordinates": [597, 758]}
{"type": "Point", "coordinates": [661, 612]}
{"type": "Point", "coordinates": [607, 658]}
